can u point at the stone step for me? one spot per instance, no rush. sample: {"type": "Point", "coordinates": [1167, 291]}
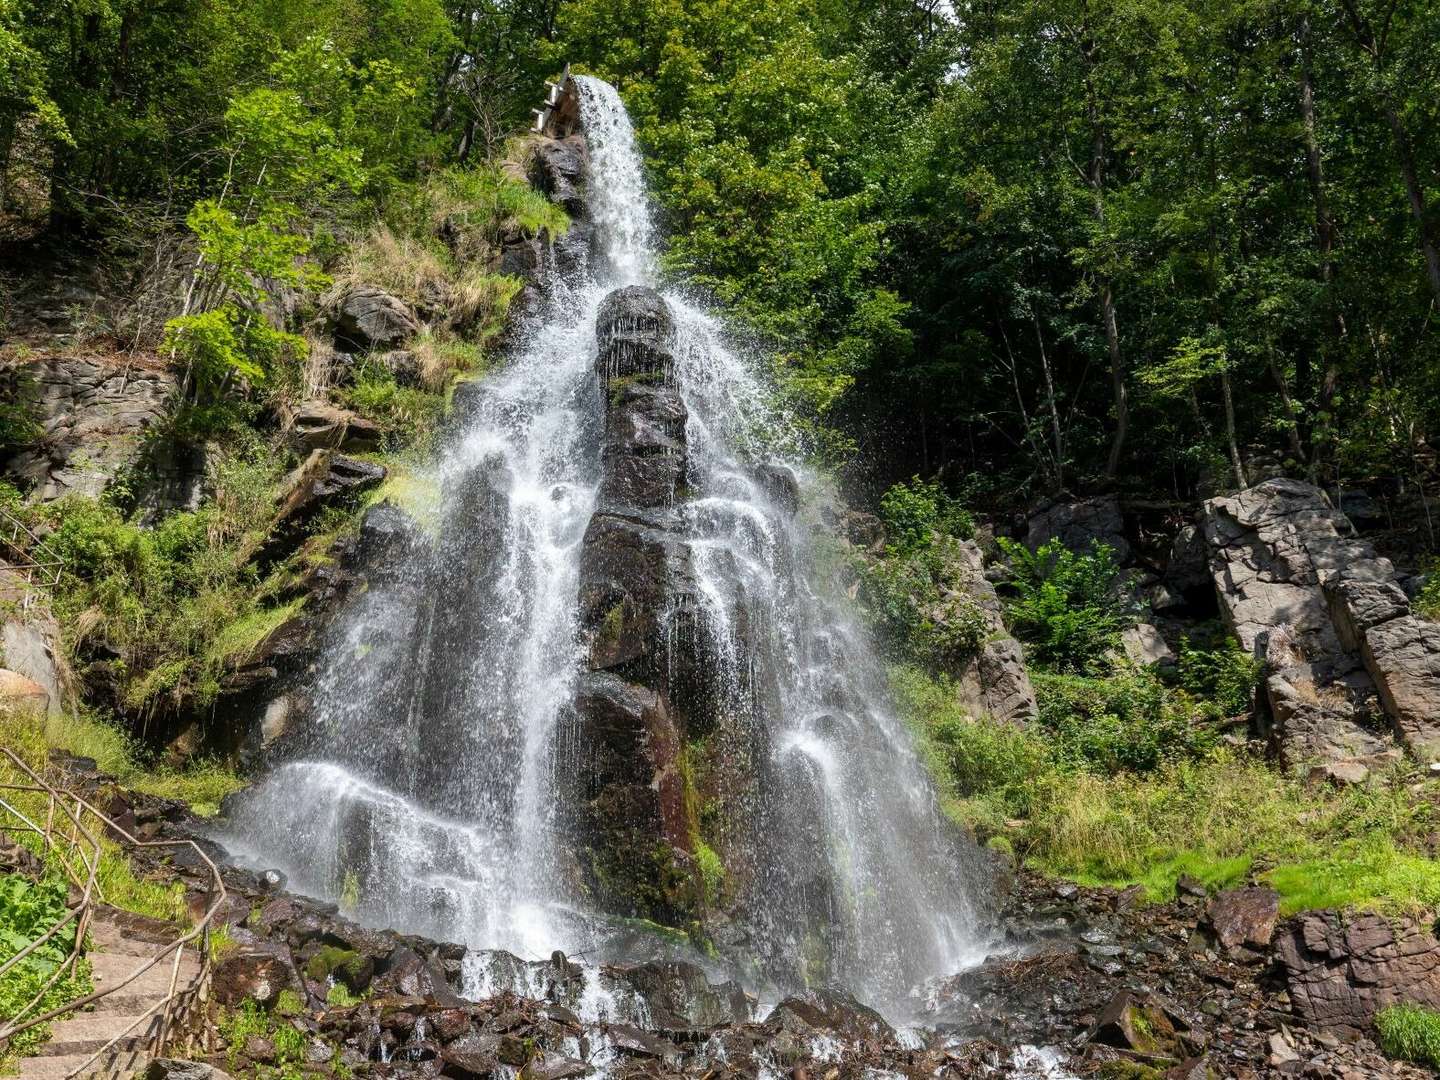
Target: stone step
{"type": "Point", "coordinates": [115, 1066]}
{"type": "Point", "coordinates": [88, 1032]}
{"type": "Point", "coordinates": [111, 968]}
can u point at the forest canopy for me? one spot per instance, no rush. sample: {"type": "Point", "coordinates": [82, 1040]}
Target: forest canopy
{"type": "Point", "coordinates": [1020, 244]}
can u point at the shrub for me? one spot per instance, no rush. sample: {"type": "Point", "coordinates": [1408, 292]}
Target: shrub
{"type": "Point", "coordinates": [1226, 675]}
{"type": "Point", "coordinates": [406, 415]}
{"type": "Point", "coordinates": [1127, 721]}
{"type": "Point", "coordinates": [1411, 1032]}
{"type": "Point", "coordinates": [913, 600]}
{"type": "Point", "coordinates": [1427, 601]}
{"type": "Point", "coordinates": [915, 510]}
{"type": "Point", "coordinates": [1065, 605]}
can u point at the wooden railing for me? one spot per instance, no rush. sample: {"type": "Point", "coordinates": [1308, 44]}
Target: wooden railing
{"type": "Point", "coordinates": [68, 839]}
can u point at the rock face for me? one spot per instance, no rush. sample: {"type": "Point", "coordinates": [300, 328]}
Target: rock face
{"type": "Point", "coordinates": [1341, 971]}
{"type": "Point", "coordinates": [633, 813]}
{"type": "Point", "coordinates": [319, 425]}
{"type": "Point", "coordinates": [323, 479]}
{"type": "Point", "coordinates": [93, 413]}
{"type": "Point", "coordinates": [1079, 523]}
{"type": "Point", "coordinates": [367, 318]}
{"type": "Point", "coordinates": [1345, 657]}
{"type": "Point", "coordinates": [994, 681]}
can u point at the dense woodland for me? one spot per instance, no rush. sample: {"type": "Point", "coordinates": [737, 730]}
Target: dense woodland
{"type": "Point", "coordinates": [1061, 243]}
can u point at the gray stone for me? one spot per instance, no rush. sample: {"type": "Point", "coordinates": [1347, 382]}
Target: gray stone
{"type": "Point", "coordinates": [1357, 605]}
{"type": "Point", "coordinates": [367, 318]}
{"type": "Point", "coordinates": [1403, 657]}
{"type": "Point", "coordinates": [176, 1069]}
{"type": "Point", "coordinates": [93, 413]}
{"type": "Point", "coordinates": [1080, 523]}
{"type": "Point", "coordinates": [320, 425]}
{"type": "Point", "coordinates": [1144, 646]}
{"type": "Point", "coordinates": [995, 680]}
{"type": "Point", "coordinates": [30, 646]}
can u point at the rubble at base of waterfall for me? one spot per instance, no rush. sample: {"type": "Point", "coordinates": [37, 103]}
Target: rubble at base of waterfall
{"type": "Point", "coordinates": [1080, 982]}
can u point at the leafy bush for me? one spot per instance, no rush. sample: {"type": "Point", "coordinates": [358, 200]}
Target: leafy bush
{"type": "Point", "coordinates": [27, 910]}
{"type": "Point", "coordinates": [1427, 601]}
{"type": "Point", "coordinates": [912, 599]}
{"type": "Point", "coordinates": [915, 510]}
{"type": "Point", "coordinates": [1127, 721]}
{"type": "Point", "coordinates": [1226, 675]}
{"type": "Point", "coordinates": [1411, 1032]}
{"type": "Point", "coordinates": [1066, 605]}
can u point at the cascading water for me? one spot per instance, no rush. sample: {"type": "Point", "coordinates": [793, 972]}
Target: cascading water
{"type": "Point", "coordinates": [429, 794]}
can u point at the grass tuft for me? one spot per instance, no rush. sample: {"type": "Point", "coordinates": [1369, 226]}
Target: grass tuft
{"type": "Point", "coordinates": [1411, 1032]}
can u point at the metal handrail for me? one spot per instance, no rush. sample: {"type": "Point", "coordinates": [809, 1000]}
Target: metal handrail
{"type": "Point", "coordinates": [215, 894]}
{"type": "Point", "coordinates": [37, 564]}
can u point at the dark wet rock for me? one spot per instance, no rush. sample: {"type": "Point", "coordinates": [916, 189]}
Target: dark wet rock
{"type": "Point", "coordinates": [554, 1067]}
{"type": "Point", "coordinates": [679, 995]}
{"type": "Point", "coordinates": [1079, 523]}
{"type": "Point", "coordinates": [829, 1011]}
{"type": "Point", "coordinates": [557, 167]}
{"type": "Point", "coordinates": [781, 486]}
{"type": "Point", "coordinates": [367, 318]}
{"type": "Point", "coordinates": [93, 413]}
{"type": "Point", "coordinates": [1244, 916]}
{"type": "Point", "coordinates": [413, 976]}
{"type": "Point", "coordinates": [631, 1040]}
{"type": "Point", "coordinates": [325, 479]}
{"type": "Point", "coordinates": [389, 545]}
{"type": "Point", "coordinates": [471, 1056]}
{"type": "Point", "coordinates": [643, 457]}
{"type": "Point", "coordinates": [1341, 971]}
{"type": "Point", "coordinates": [636, 333]}
{"type": "Point", "coordinates": [625, 579]}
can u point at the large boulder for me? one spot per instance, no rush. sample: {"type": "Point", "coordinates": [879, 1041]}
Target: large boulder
{"type": "Point", "coordinates": [30, 645]}
{"type": "Point", "coordinates": [557, 167]}
{"type": "Point", "coordinates": [1079, 523]}
{"type": "Point", "coordinates": [636, 334]}
{"type": "Point", "coordinates": [994, 681]}
{"type": "Point", "coordinates": [93, 414]}
{"type": "Point", "coordinates": [366, 318]}
{"type": "Point", "coordinates": [1341, 970]}
{"type": "Point", "coordinates": [1403, 657]}
{"type": "Point", "coordinates": [320, 425]}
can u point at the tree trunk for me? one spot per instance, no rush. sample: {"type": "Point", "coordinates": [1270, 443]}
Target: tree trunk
{"type": "Point", "coordinates": [1405, 151]}
{"type": "Point", "coordinates": [1230, 439]}
{"type": "Point", "coordinates": [1051, 406]}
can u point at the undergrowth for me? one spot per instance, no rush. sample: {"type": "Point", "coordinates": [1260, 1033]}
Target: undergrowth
{"type": "Point", "coordinates": [1077, 801]}
{"type": "Point", "coordinates": [1411, 1032]}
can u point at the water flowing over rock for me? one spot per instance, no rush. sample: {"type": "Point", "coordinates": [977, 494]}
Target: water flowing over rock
{"type": "Point", "coordinates": [605, 678]}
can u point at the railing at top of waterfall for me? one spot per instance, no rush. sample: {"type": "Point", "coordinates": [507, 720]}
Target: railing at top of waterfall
{"type": "Point", "coordinates": [556, 91]}
{"type": "Point", "coordinates": [70, 843]}
{"type": "Point", "coordinates": [27, 554]}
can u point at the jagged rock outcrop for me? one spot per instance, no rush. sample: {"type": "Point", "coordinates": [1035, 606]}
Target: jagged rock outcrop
{"type": "Point", "coordinates": [633, 817]}
{"type": "Point", "coordinates": [1345, 657]}
{"type": "Point", "coordinates": [994, 680]}
{"type": "Point", "coordinates": [93, 413]}
{"type": "Point", "coordinates": [320, 425]}
{"type": "Point", "coordinates": [1341, 971]}
{"type": "Point", "coordinates": [1079, 523]}
{"type": "Point", "coordinates": [324, 479]}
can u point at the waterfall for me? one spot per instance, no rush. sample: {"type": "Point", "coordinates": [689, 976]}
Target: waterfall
{"type": "Point", "coordinates": [431, 792]}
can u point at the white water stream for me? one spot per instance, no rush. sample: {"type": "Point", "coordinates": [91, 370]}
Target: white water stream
{"type": "Point", "coordinates": [428, 799]}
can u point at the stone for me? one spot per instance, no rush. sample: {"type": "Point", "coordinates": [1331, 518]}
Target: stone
{"type": "Point", "coordinates": [643, 456]}
{"type": "Point", "coordinates": [1244, 916]}
{"type": "Point", "coordinates": [323, 480]}
{"type": "Point", "coordinates": [554, 1067]}
{"type": "Point", "coordinates": [403, 364]}
{"type": "Point", "coordinates": [176, 1069]}
{"type": "Point", "coordinates": [636, 333]}
{"type": "Point", "coordinates": [557, 167]}
{"type": "Point", "coordinates": [1341, 970]}
{"type": "Point", "coordinates": [366, 318]}
{"type": "Point", "coordinates": [409, 974]}
{"type": "Point", "coordinates": [1403, 657]}
{"type": "Point", "coordinates": [1269, 546]}
{"type": "Point", "coordinates": [93, 414]}
{"type": "Point", "coordinates": [679, 995]}
{"type": "Point", "coordinates": [321, 425]}
{"type": "Point", "coordinates": [1356, 605]}
{"type": "Point", "coordinates": [1187, 571]}
{"type": "Point", "coordinates": [30, 647]}
{"type": "Point", "coordinates": [1130, 1022]}
{"type": "Point", "coordinates": [781, 486]}
{"type": "Point", "coordinates": [471, 1056]}
{"type": "Point", "coordinates": [1079, 523]}
{"type": "Point", "coordinates": [1144, 646]}
{"type": "Point", "coordinates": [994, 681]}
{"type": "Point", "coordinates": [625, 575]}
{"type": "Point", "coordinates": [1340, 773]}
{"type": "Point", "coordinates": [828, 1011]}
{"type": "Point", "coordinates": [16, 691]}
{"type": "Point", "coordinates": [255, 969]}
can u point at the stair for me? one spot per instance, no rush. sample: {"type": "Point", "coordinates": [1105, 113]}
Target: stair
{"type": "Point", "coordinates": [119, 943]}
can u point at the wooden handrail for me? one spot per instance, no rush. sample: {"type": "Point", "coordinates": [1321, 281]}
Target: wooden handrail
{"type": "Point", "coordinates": [215, 894]}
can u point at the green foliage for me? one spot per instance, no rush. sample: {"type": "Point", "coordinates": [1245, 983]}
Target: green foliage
{"type": "Point", "coordinates": [915, 510]}
{"type": "Point", "coordinates": [27, 910]}
{"type": "Point", "coordinates": [1126, 721]}
{"type": "Point", "coordinates": [1227, 675]}
{"type": "Point", "coordinates": [1427, 602]}
{"type": "Point", "coordinates": [1410, 1032]}
{"type": "Point", "coordinates": [917, 602]}
{"type": "Point", "coordinates": [407, 415]}
{"type": "Point", "coordinates": [1066, 606]}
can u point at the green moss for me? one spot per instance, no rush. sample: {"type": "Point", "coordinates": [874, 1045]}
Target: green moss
{"type": "Point", "coordinates": [414, 490]}
{"type": "Point", "coordinates": [288, 1003]}
{"type": "Point", "coordinates": [712, 871]}
{"type": "Point", "coordinates": [345, 964]}
{"type": "Point", "coordinates": [237, 641]}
